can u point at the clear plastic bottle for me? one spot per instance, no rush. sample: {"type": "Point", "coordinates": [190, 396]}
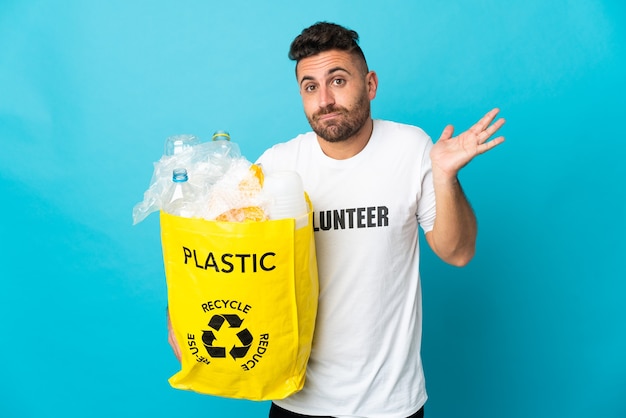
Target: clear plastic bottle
{"type": "Point", "coordinates": [222, 149]}
{"type": "Point", "coordinates": [180, 198]}
{"type": "Point", "coordinates": [175, 145]}
{"type": "Point", "coordinates": [219, 154]}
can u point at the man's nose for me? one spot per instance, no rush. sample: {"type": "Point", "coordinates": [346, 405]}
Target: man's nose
{"type": "Point", "coordinates": [326, 97]}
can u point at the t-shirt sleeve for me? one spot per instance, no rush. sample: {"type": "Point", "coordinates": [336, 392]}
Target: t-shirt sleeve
{"type": "Point", "coordinates": [269, 160]}
{"type": "Point", "coordinates": [426, 208]}
{"type": "Point", "coordinates": [281, 156]}
{"type": "Point", "coordinates": [265, 158]}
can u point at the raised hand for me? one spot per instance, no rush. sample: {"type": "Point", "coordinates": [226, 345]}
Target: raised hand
{"type": "Point", "coordinates": [450, 154]}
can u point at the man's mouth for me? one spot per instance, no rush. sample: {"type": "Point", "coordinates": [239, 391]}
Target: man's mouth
{"type": "Point", "coordinates": [327, 116]}
{"type": "Point", "coordinates": [332, 114]}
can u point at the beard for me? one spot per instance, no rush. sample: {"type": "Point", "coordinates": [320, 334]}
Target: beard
{"type": "Point", "coordinates": [346, 125]}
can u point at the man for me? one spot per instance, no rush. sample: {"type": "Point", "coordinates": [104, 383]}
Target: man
{"type": "Point", "coordinates": [371, 182]}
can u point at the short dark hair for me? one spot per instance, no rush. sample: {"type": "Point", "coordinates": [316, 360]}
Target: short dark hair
{"type": "Point", "coordinates": [325, 36]}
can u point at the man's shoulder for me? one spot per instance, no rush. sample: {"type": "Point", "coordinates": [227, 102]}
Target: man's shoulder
{"type": "Point", "coordinates": [399, 128]}
{"type": "Point", "coordinates": [289, 149]}
{"type": "Point", "coordinates": [302, 138]}
{"type": "Point", "coordinates": [402, 135]}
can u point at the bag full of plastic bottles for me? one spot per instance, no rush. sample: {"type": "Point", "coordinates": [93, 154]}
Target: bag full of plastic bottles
{"type": "Point", "coordinates": [240, 269]}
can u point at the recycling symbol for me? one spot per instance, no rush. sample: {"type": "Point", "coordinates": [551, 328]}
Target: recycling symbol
{"type": "Point", "coordinates": [211, 340]}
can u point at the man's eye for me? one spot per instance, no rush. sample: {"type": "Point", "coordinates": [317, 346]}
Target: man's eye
{"type": "Point", "coordinates": [339, 82]}
{"type": "Point", "coordinates": [309, 88]}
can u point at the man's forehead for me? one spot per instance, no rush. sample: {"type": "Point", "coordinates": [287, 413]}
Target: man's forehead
{"type": "Point", "coordinates": [325, 63]}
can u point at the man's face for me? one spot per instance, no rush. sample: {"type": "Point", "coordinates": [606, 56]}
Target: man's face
{"type": "Point", "coordinates": [336, 91]}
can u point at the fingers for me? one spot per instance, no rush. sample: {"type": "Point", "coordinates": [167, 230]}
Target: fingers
{"type": "Point", "coordinates": [485, 121]}
{"type": "Point", "coordinates": [490, 130]}
{"type": "Point", "coordinates": [478, 135]}
{"type": "Point", "coordinates": [171, 339]}
{"type": "Point", "coordinates": [484, 147]}
{"type": "Point", "coordinates": [447, 133]}
{"type": "Point", "coordinates": [488, 118]}
{"type": "Point", "coordinates": [484, 128]}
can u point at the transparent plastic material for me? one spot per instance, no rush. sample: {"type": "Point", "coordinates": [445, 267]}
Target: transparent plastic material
{"type": "Point", "coordinates": [219, 184]}
{"type": "Point", "coordinates": [182, 197]}
{"type": "Point", "coordinates": [175, 145]}
{"type": "Point", "coordinates": [214, 168]}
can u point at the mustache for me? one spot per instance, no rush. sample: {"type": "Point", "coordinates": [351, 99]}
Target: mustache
{"type": "Point", "coordinates": [330, 109]}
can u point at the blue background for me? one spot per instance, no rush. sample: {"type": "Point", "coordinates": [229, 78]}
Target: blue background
{"type": "Point", "coordinates": [534, 326]}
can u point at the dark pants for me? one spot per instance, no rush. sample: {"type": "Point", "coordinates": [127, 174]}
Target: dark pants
{"type": "Point", "coordinates": [278, 412]}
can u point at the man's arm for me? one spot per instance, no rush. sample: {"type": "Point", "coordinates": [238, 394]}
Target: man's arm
{"type": "Point", "coordinates": [453, 237]}
{"type": "Point", "coordinates": [171, 337]}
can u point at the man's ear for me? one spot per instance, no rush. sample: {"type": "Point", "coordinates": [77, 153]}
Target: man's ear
{"type": "Point", "coordinates": [372, 84]}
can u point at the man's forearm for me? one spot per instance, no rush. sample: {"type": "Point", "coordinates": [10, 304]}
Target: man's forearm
{"type": "Point", "coordinates": [453, 237]}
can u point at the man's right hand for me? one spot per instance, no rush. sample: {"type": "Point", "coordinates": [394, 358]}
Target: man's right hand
{"type": "Point", "coordinates": [171, 337]}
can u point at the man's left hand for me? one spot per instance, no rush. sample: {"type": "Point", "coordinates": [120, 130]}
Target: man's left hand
{"type": "Point", "coordinates": [450, 154]}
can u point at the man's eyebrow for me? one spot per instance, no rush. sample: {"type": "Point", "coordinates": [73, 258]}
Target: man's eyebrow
{"type": "Point", "coordinates": [306, 78]}
{"type": "Point", "coordinates": [329, 72]}
{"type": "Point", "coordinates": [335, 69]}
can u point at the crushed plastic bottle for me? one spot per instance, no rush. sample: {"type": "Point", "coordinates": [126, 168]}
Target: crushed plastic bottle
{"type": "Point", "coordinates": [181, 197]}
{"type": "Point", "coordinates": [212, 183]}
{"type": "Point", "coordinates": [222, 150]}
{"type": "Point", "coordinates": [176, 145]}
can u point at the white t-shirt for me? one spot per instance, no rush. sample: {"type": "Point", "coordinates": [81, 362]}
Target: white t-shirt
{"type": "Point", "coordinates": [365, 360]}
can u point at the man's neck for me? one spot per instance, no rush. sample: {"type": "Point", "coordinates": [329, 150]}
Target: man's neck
{"type": "Point", "coordinates": [350, 147]}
